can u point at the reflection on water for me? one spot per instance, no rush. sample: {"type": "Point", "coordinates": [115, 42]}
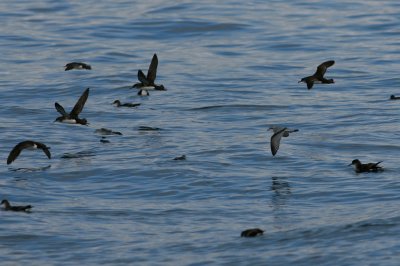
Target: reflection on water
{"type": "Point", "coordinates": [281, 192]}
{"type": "Point", "coordinates": [30, 169]}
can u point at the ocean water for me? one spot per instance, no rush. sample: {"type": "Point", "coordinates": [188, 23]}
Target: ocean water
{"type": "Point", "coordinates": [231, 70]}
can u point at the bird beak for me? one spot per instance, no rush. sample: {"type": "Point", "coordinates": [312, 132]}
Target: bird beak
{"type": "Point", "coordinates": [299, 81]}
{"type": "Point", "coordinates": [349, 164]}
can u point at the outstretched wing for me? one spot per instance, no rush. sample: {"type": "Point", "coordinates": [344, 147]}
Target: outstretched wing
{"type": "Point", "coordinates": [60, 109]}
{"type": "Point", "coordinates": [321, 69]}
{"type": "Point", "coordinates": [152, 72]}
{"type": "Point", "coordinates": [44, 148]}
{"type": "Point", "coordinates": [79, 104]}
{"type": "Point", "coordinates": [276, 140]}
{"type": "Point", "coordinates": [15, 152]}
{"type": "Point", "coordinates": [142, 78]}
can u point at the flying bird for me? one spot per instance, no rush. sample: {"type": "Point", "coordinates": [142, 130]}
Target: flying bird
{"type": "Point", "coordinates": [77, 65]}
{"type": "Point", "coordinates": [318, 76]}
{"type": "Point", "coordinates": [147, 82]}
{"type": "Point", "coordinates": [72, 117]}
{"type": "Point", "coordinates": [8, 207]}
{"type": "Point", "coordinates": [279, 132]}
{"type": "Point", "coordinates": [367, 167]}
{"type": "Point", "coordinates": [28, 144]}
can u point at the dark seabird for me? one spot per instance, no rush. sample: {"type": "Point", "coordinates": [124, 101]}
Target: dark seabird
{"type": "Point", "coordinates": [8, 207]}
{"type": "Point", "coordinates": [147, 82]}
{"type": "Point", "coordinates": [119, 104]}
{"type": "Point", "coordinates": [252, 232]}
{"type": "Point", "coordinates": [72, 117]}
{"type": "Point", "coordinates": [28, 144]}
{"type": "Point", "coordinates": [392, 97]}
{"type": "Point", "coordinates": [367, 167]}
{"type": "Point", "coordinates": [146, 128]}
{"type": "Point", "coordinates": [180, 158]}
{"type": "Point", "coordinates": [77, 65]}
{"type": "Point", "coordinates": [318, 76]}
{"type": "Point", "coordinates": [106, 131]}
{"type": "Point", "coordinates": [279, 132]}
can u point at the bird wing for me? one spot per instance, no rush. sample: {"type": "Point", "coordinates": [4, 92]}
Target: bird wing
{"type": "Point", "coordinates": [14, 154]}
{"type": "Point", "coordinates": [79, 104]}
{"type": "Point", "coordinates": [44, 148]}
{"type": "Point", "coordinates": [61, 109]}
{"type": "Point", "coordinates": [276, 128]}
{"type": "Point", "coordinates": [276, 140]}
{"type": "Point", "coordinates": [321, 69]}
{"type": "Point", "coordinates": [310, 84]}
{"type": "Point", "coordinates": [152, 72]}
{"type": "Point", "coordinates": [374, 165]}
{"type": "Point", "coordinates": [142, 78]}
{"type": "Point", "coordinates": [17, 150]}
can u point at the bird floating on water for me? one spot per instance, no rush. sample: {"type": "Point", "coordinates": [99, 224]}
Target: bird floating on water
{"type": "Point", "coordinates": [318, 76]}
{"type": "Point", "coordinates": [392, 97]}
{"type": "Point", "coordinates": [8, 207]}
{"type": "Point", "coordinates": [252, 232]}
{"type": "Point", "coordinates": [367, 167]}
{"type": "Point", "coordinates": [279, 132]}
{"type": "Point", "coordinates": [180, 158]}
{"type": "Point", "coordinates": [147, 82]}
{"type": "Point", "coordinates": [119, 104]}
{"type": "Point", "coordinates": [28, 144]}
{"type": "Point", "coordinates": [106, 131]}
{"type": "Point", "coordinates": [77, 65]}
{"type": "Point", "coordinates": [72, 117]}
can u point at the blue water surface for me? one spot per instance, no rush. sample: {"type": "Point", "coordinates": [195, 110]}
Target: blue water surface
{"type": "Point", "coordinates": [231, 70]}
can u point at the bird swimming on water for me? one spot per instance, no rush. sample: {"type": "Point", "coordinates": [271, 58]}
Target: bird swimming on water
{"type": "Point", "coordinates": [279, 132]}
{"type": "Point", "coordinates": [28, 144]}
{"type": "Point", "coordinates": [106, 131]}
{"type": "Point", "coordinates": [367, 167]}
{"type": "Point", "coordinates": [77, 65]}
{"type": "Point", "coordinates": [72, 117]}
{"type": "Point", "coordinates": [392, 97]}
{"type": "Point", "coordinates": [318, 76]}
{"type": "Point", "coordinates": [119, 104]}
{"type": "Point", "coordinates": [147, 82]}
{"type": "Point", "coordinates": [8, 207]}
{"type": "Point", "coordinates": [252, 232]}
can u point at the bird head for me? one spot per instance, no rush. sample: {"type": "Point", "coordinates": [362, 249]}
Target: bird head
{"type": "Point", "coordinates": [355, 162]}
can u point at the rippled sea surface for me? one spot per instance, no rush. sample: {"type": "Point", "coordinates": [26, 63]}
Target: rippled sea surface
{"type": "Point", "coordinates": [231, 71]}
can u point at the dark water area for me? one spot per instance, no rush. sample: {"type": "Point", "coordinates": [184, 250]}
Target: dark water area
{"type": "Point", "coordinates": [231, 71]}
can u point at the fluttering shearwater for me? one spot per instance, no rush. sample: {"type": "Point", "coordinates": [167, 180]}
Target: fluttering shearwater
{"type": "Point", "coordinates": [147, 82]}
{"type": "Point", "coordinates": [252, 232]}
{"type": "Point", "coordinates": [77, 65]}
{"type": "Point", "coordinates": [72, 117]}
{"type": "Point", "coordinates": [119, 104]}
{"type": "Point", "coordinates": [392, 97]}
{"type": "Point", "coordinates": [8, 207]}
{"type": "Point", "coordinates": [180, 158]}
{"type": "Point", "coordinates": [318, 76]}
{"type": "Point", "coordinates": [367, 167]}
{"type": "Point", "coordinates": [279, 132]}
{"type": "Point", "coordinates": [28, 144]}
